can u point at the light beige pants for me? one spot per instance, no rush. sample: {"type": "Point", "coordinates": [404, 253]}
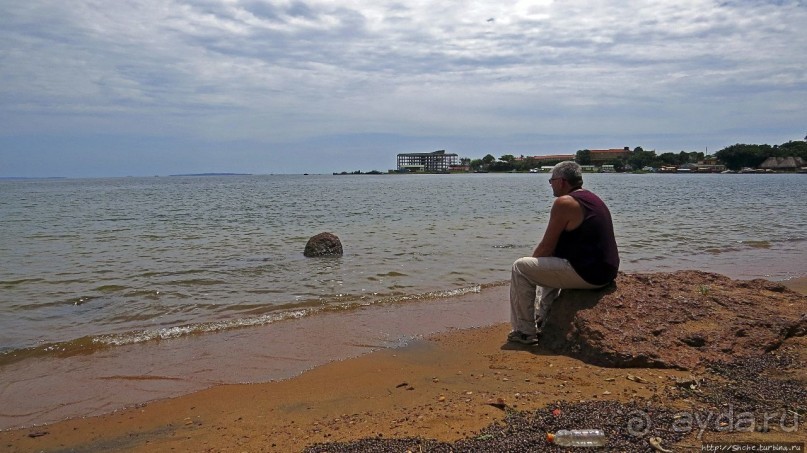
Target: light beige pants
{"type": "Point", "coordinates": [550, 275]}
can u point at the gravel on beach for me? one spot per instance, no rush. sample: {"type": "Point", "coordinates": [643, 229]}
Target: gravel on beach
{"type": "Point", "coordinates": [752, 385]}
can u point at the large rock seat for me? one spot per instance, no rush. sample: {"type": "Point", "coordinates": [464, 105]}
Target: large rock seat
{"type": "Point", "coordinates": [674, 320]}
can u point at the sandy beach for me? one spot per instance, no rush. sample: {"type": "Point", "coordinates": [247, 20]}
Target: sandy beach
{"type": "Point", "coordinates": [446, 387]}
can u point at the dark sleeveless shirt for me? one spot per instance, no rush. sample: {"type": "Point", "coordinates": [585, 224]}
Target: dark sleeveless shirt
{"type": "Point", "coordinates": [591, 247]}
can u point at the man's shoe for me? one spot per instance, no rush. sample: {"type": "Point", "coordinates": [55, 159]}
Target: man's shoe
{"type": "Point", "coordinates": [523, 338]}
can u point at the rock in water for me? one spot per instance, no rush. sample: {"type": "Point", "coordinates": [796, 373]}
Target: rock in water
{"type": "Point", "coordinates": [323, 244]}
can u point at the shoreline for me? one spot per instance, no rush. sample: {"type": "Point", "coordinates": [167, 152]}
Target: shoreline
{"type": "Point", "coordinates": [51, 389]}
{"type": "Point", "coordinates": [439, 387]}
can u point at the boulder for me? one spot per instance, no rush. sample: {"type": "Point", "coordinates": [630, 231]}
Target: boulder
{"type": "Point", "coordinates": [323, 244]}
{"type": "Point", "coordinates": [674, 320]}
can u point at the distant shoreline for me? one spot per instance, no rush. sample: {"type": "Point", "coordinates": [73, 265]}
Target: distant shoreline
{"type": "Point", "coordinates": [22, 178]}
{"type": "Point", "coordinates": [374, 173]}
{"type": "Point", "coordinates": [213, 174]}
{"type": "Point", "coordinates": [8, 178]}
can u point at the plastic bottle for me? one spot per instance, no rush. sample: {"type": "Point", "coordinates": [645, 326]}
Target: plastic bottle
{"type": "Point", "coordinates": [578, 438]}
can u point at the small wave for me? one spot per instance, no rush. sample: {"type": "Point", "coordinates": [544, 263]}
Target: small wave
{"type": "Point", "coordinates": [392, 274]}
{"type": "Point", "coordinates": [91, 344]}
{"type": "Point", "coordinates": [110, 288]}
{"type": "Point", "coordinates": [647, 258]}
{"type": "Point", "coordinates": [140, 378]}
{"type": "Point", "coordinates": [432, 294]}
{"type": "Point", "coordinates": [495, 284]}
{"type": "Point", "coordinates": [53, 237]}
{"type": "Point", "coordinates": [152, 294]}
{"type": "Point", "coordinates": [7, 284]}
{"type": "Point", "coordinates": [342, 302]}
{"type": "Point", "coordinates": [181, 331]}
{"type": "Point", "coordinates": [719, 250]}
{"type": "Point", "coordinates": [81, 300]}
{"type": "Point", "coordinates": [339, 302]}
{"type": "Point", "coordinates": [741, 245]}
{"type": "Point", "coordinates": [149, 274]}
{"type": "Point", "coordinates": [198, 282]}
{"type": "Point", "coordinates": [83, 345]}
{"type": "Point", "coordinates": [757, 244]}
{"type": "Point", "coordinates": [456, 292]}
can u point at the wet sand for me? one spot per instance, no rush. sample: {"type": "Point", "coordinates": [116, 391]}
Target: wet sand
{"type": "Point", "coordinates": [52, 389]}
{"type": "Point", "coordinates": [438, 387]}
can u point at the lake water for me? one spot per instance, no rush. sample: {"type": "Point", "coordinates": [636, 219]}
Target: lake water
{"type": "Point", "coordinates": [98, 264]}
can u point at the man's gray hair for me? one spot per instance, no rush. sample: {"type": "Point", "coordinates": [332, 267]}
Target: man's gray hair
{"type": "Point", "coordinates": [569, 171]}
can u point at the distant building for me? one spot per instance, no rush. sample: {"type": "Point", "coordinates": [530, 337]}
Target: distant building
{"type": "Point", "coordinates": [601, 156]}
{"type": "Point", "coordinates": [710, 165]}
{"type": "Point", "coordinates": [552, 158]}
{"type": "Point", "coordinates": [434, 162]}
{"type": "Point", "coordinates": [598, 157]}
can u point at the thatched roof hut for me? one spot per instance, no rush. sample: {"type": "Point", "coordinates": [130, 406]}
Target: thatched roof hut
{"type": "Point", "coordinates": [783, 163]}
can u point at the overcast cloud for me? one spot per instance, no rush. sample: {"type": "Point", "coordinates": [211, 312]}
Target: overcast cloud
{"type": "Point", "coordinates": [103, 88]}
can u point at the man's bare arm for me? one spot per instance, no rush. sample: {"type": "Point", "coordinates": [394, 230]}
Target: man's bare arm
{"type": "Point", "coordinates": [565, 210]}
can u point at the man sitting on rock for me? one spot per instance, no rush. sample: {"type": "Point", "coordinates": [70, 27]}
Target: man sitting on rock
{"type": "Point", "coordinates": [578, 251]}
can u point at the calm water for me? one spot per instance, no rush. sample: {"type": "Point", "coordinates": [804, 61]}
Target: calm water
{"type": "Point", "coordinates": [99, 262]}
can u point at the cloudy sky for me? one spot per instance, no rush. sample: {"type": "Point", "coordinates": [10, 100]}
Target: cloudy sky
{"type": "Point", "coordinates": [115, 88]}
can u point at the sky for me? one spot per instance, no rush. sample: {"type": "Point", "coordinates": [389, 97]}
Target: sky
{"type": "Point", "coordinates": [94, 88]}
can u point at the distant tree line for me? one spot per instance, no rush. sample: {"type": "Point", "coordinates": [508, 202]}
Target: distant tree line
{"type": "Point", "coordinates": [733, 157]}
{"type": "Point", "coordinates": [640, 158]}
{"type": "Point", "coordinates": [738, 156]}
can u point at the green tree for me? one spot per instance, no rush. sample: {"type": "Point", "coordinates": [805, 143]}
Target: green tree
{"type": "Point", "coordinates": [618, 164]}
{"type": "Point", "coordinates": [668, 158]}
{"type": "Point", "coordinates": [583, 157]}
{"type": "Point", "coordinates": [641, 158]}
{"type": "Point", "coordinates": [525, 164]}
{"type": "Point", "coordinates": [795, 149]}
{"type": "Point", "coordinates": [488, 159]}
{"type": "Point", "coordinates": [509, 158]}
{"type": "Point", "coordinates": [500, 166]}
{"type": "Point", "coordinates": [477, 164]}
{"type": "Point", "coordinates": [738, 156]}
{"type": "Point", "coordinates": [688, 157]}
